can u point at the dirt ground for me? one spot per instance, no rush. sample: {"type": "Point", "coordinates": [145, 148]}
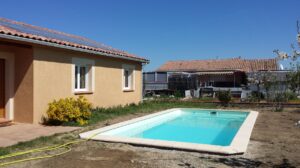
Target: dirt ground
{"type": "Point", "coordinates": [275, 142]}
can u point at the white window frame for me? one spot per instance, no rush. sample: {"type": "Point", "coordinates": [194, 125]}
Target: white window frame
{"type": "Point", "coordinates": [89, 76]}
{"type": "Point", "coordinates": [131, 82]}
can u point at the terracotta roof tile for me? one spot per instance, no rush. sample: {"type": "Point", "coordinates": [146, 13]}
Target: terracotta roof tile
{"type": "Point", "coordinates": [247, 65]}
{"type": "Point", "coordinates": [19, 29]}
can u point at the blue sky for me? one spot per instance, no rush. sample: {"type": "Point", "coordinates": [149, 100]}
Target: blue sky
{"type": "Point", "coordinates": [163, 30]}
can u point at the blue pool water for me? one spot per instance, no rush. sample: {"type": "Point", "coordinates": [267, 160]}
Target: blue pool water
{"type": "Point", "coordinates": [187, 125]}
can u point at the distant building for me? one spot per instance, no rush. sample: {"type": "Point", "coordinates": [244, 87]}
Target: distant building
{"type": "Point", "coordinates": [207, 76]}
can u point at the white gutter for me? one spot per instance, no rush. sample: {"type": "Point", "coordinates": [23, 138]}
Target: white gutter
{"type": "Point", "coordinates": [10, 37]}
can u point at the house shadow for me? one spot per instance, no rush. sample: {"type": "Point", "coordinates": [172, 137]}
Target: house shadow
{"type": "Point", "coordinates": [284, 164]}
{"type": "Point", "coordinates": [238, 162]}
{"type": "Point", "coordinates": [249, 163]}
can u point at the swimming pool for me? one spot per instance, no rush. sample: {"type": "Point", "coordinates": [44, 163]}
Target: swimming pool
{"type": "Point", "coordinates": [218, 131]}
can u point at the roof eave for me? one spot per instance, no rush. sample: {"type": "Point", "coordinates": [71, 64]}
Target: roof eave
{"type": "Point", "coordinates": [22, 39]}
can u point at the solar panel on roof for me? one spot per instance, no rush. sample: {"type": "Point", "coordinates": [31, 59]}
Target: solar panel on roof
{"type": "Point", "coordinates": [55, 35]}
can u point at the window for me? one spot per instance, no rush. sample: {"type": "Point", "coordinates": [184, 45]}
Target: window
{"type": "Point", "coordinates": [83, 75]}
{"type": "Point", "coordinates": [81, 78]}
{"type": "Point", "coordinates": [128, 77]}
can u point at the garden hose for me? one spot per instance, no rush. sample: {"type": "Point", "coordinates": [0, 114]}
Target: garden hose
{"type": "Point", "coordinates": [42, 149]}
{"type": "Point", "coordinates": [35, 158]}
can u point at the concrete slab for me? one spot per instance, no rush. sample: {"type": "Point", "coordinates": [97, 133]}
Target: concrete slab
{"type": "Point", "coordinates": [19, 132]}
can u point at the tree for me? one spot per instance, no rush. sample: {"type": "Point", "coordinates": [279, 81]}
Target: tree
{"type": "Point", "coordinates": [268, 83]}
{"type": "Point", "coordinates": [256, 79]}
{"type": "Point", "coordinates": [293, 78]}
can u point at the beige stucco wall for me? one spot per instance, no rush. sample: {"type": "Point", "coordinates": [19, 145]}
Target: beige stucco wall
{"type": "Point", "coordinates": [23, 80]}
{"type": "Point", "coordinates": [53, 79]}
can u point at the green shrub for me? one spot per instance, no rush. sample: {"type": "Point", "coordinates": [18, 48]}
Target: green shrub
{"type": "Point", "coordinates": [178, 94]}
{"type": "Point", "coordinates": [69, 110]}
{"type": "Point", "coordinates": [224, 97]}
{"type": "Point", "coordinates": [206, 98]}
{"type": "Point", "coordinates": [164, 96]}
{"type": "Point", "coordinates": [256, 96]}
{"type": "Point", "coordinates": [279, 97]}
{"type": "Point", "coordinates": [291, 96]}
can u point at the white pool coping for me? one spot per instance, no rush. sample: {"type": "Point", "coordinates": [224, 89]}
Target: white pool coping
{"type": "Point", "coordinates": [238, 145]}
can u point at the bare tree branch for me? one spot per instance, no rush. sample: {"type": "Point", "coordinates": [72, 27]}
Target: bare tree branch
{"type": "Point", "coordinates": [298, 27]}
{"type": "Point", "coordinates": [298, 31]}
{"type": "Point", "coordinates": [295, 53]}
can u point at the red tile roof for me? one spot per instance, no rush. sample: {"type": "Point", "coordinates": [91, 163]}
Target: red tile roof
{"type": "Point", "coordinates": [27, 31]}
{"type": "Point", "coordinates": [246, 65]}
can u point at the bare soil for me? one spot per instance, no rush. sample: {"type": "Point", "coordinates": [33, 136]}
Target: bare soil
{"type": "Point", "coordinates": [275, 142]}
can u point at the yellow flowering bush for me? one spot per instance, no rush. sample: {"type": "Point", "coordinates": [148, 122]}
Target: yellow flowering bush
{"type": "Point", "coordinates": [70, 110]}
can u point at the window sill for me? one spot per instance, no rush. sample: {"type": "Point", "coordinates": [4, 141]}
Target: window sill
{"type": "Point", "coordinates": [83, 92]}
{"type": "Point", "coordinates": [128, 90]}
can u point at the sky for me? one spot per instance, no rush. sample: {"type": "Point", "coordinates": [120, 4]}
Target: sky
{"type": "Point", "coordinates": [163, 30]}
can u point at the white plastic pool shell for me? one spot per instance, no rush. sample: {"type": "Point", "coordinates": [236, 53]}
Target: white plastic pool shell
{"type": "Point", "coordinates": [238, 145]}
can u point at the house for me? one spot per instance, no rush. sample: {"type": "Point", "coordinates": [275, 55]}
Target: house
{"type": "Point", "coordinates": [213, 75]}
{"type": "Point", "coordinates": [38, 65]}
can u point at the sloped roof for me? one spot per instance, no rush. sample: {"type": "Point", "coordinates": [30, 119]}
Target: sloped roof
{"type": "Point", "coordinates": [27, 31]}
{"type": "Point", "coordinates": [246, 65]}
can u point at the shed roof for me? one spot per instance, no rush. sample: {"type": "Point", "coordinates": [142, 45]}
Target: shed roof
{"type": "Point", "coordinates": [22, 31]}
{"type": "Point", "coordinates": [246, 65]}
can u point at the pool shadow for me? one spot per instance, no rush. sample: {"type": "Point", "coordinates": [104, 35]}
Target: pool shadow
{"type": "Point", "coordinates": [227, 132]}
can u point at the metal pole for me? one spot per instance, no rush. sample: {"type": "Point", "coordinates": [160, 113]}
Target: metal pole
{"type": "Point", "coordinates": [234, 79]}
